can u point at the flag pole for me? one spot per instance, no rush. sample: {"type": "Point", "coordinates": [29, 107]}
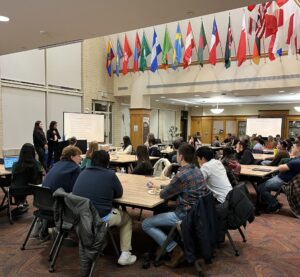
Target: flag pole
{"type": "Point", "coordinates": [195, 42]}
{"type": "Point", "coordinates": [247, 36]}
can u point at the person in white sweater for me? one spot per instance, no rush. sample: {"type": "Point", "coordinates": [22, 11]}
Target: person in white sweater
{"type": "Point", "coordinates": [127, 147]}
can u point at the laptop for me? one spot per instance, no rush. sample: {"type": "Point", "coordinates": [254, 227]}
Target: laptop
{"type": "Point", "coordinates": [9, 161]}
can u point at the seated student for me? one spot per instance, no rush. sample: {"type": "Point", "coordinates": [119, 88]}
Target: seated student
{"type": "Point", "coordinates": [143, 166]}
{"type": "Point", "coordinates": [287, 173]}
{"type": "Point", "coordinates": [244, 154]}
{"type": "Point", "coordinates": [86, 162]}
{"type": "Point", "coordinates": [227, 139]}
{"type": "Point", "coordinates": [101, 185]}
{"type": "Point", "coordinates": [65, 172]}
{"type": "Point", "coordinates": [27, 170]}
{"type": "Point", "coordinates": [231, 165]}
{"type": "Point", "coordinates": [195, 142]}
{"type": "Point", "coordinates": [214, 174]}
{"type": "Point", "coordinates": [216, 142]}
{"type": "Point", "coordinates": [173, 155]}
{"type": "Point", "coordinates": [187, 186]}
{"type": "Point", "coordinates": [149, 136]}
{"type": "Point", "coordinates": [72, 141]}
{"type": "Point", "coordinates": [270, 144]}
{"type": "Point", "coordinates": [153, 148]}
{"type": "Point", "coordinates": [127, 147]}
{"type": "Point", "coordinates": [257, 145]}
{"type": "Point", "coordinates": [282, 153]}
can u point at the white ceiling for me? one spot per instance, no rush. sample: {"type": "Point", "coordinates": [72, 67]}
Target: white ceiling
{"type": "Point", "coordinates": [253, 96]}
{"type": "Point", "coordinates": [38, 23]}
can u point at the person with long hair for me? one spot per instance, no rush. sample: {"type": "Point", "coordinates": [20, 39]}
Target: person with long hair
{"type": "Point", "coordinates": [93, 146]}
{"type": "Point", "coordinates": [27, 170]}
{"type": "Point", "coordinates": [52, 137]}
{"type": "Point", "coordinates": [143, 166]}
{"type": "Point", "coordinates": [40, 142]}
{"type": "Point", "coordinates": [127, 146]}
{"type": "Point", "coordinates": [243, 153]}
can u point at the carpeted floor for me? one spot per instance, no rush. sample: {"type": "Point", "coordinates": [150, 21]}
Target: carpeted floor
{"type": "Point", "coordinates": [272, 249]}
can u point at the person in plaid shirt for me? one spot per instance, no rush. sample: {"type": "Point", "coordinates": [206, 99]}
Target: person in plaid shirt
{"type": "Point", "coordinates": [187, 186]}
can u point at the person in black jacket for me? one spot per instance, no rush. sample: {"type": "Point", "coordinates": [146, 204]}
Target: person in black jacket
{"type": "Point", "coordinates": [153, 148]}
{"type": "Point", "coordinates": [244, 154]}
{"type": "Point", "coordinates": [143, 166]}
{"type": "Point", "coordinates": [40, 142]}
{"type": "Point", "coordinates": [52, 137]}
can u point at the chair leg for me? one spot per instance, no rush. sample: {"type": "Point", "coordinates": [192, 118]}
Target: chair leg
{"type": "Point", "coordinates": [162, 249]}
{"type": "Point", "coordinates": [140, 216]}
{"type": "Point", "coordinates": [232, 244]}
{"type": "Point", "coordinates": [113, 242]}
{"type": "Point", "coordinates": [9, 208]}
{"type": "Point", "coordinates": [29, 232]}
{"type": "Point", "coordinates": [61, 239]}
{"type": "Point", "coordinates": [93, 266]}
{"type": "Point", "coordinates": [54, 246]}
{"type": "Point", "coordinates": [242, 234]}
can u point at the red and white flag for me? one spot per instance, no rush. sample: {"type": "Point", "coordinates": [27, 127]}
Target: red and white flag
{"type": "Point", "coordinates": [261, 27]}
{"type": "Point", "coordinates": [189, 45]}
{"type": "Point", "coordinates": [271, 21]}
{"type": "Point", "coordinates": [241, 52]}
{"type": "Point", "coordinates": [215, 40]}
{"type": "Point", "coordinates": [127, 54]}
{"type": "Point", "coordinates": [251, 25]}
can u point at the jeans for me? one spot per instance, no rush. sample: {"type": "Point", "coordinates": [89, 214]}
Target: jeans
{"type": "Point", "coordinates": [150, 225]}
{"type": "Point", "coordinates": [265, 189]}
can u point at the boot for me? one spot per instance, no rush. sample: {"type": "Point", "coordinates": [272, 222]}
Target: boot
{"type": "Point", "coordinates": [177, 257]}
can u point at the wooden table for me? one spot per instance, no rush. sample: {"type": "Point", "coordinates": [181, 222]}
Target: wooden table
{"type": "Point", "coordinates": [3, 171]}
{"type": "Point", "coordinates": [135, 191]}
{"type": "Point", "coordinates": [263, 156]}
{"type": "Point", "coordinates": [5, 179]}
{"type": "Point", "coordinates": [123, 158]}
{"type": "Point", "coordinates": [268, 151]}
{"type": "Point", "coordinates": [248, 170]}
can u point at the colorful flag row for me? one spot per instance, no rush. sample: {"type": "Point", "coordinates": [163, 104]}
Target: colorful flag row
{"type": "Point", "coordinates": [265, 20]}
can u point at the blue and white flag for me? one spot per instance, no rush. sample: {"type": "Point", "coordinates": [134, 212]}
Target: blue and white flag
{"type": "Point", "coordinates": [119, 57]}
{"type": "Point", "coordinates": [156, 50]}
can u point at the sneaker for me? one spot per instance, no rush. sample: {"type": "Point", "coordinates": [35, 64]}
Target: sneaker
{"type": "Point", "coordinates": [126, 258]}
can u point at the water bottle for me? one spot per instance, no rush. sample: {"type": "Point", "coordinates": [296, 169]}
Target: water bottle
{"type": "Point", "coordinates": [173, 175]}
{"type": "Point", "coordinates": [123, 171]}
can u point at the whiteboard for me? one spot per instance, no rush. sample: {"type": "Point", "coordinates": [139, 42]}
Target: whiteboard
{"type": "Point", "coordinates": [264, 126]}
{"type": "Point", "coordinates": [84, 126]}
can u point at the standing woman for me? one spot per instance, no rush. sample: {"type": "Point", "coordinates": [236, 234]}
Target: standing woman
{"type": "Point", "coordinates": [52, 137]}
{"type": "Point", "coordinates": [40, 142]}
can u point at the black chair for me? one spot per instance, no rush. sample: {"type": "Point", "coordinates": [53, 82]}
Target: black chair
{"type": "Point", "coordinates": [43, 201]}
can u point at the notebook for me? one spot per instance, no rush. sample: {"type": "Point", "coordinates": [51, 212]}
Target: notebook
{"type": "Point", "coordinates": [9, 161]}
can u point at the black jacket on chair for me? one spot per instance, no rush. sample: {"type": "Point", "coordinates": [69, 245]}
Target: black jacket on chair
{"type": "Point", "coordinates": [199, 229]}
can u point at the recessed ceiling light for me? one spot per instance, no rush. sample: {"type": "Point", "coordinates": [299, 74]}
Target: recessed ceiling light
{"type": "Point", "coordinates": [196, 106]}
{"type": "Point", "coordinates": [162, 97]}
{"type": "Point", "coordinates": [157, 100]}
{"type": "Point", "coordinates": [4, 18]}
{"type": "Point", "coordinates": [292, 93]}
{"type": "Point", "coordinates": [281, 91]}
{"type": "Point", "coordinates": [196, 95]}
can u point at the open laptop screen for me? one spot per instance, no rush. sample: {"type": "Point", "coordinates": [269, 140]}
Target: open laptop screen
{"type": "Point", "coordinates": [9, 161]}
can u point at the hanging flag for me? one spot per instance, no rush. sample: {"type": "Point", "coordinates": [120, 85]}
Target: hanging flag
{"type": "Point", "coordinates": [241, 52]}
{"type": "Point", "coordinates": [251, 8]}
{"type": "Point", "coordinates": [291, 40]}
{"type": "Point", "coordinates": [127, 55]}
{"type": "Point", "coordinates": [271, 47]}
{"type": "Point", "coordinates": [156, 50]}
{"type": "Point", "coordinates": [119, 57]}
{"type": "Point", "coordinates": [177, 51]}
{"type": "Point", "coordinates": [278, 42]}
{"type": "Point", "coordinates": [167, 46]}
{"type": "Point", "coordinates": [290, 29]}
{"type": "Point", "coordinates": [271, 21]}
{"type": "Point", "coordinates": [202, 45]}
{"type": "Point", "coordinates": [251, 25]}
{"type": "Point", "coordinates": [229, 40]}
{"type": "Point", "coordinates": [215, 40]}
{"type": "Point", "coordinates": [145, 51]}
{"type": "Point", "coordinates": [137, 53]}
{"type": "Point", "coordinates": [189, 45]}
{"type": "Point", "coordinates": [109, 57]}
{"type": "Point", "coordinates": [280, 3]}
{"type": "Point", "coordinates": [261, 27]}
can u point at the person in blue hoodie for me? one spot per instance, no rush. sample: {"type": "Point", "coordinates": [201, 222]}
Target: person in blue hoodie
{"type": "Point", "coordinates": [65, 172]}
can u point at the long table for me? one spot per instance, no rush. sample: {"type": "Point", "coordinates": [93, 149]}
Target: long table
{"type": "Point", "coordinates": [135, 191]}
{"type": "Point", "coordinates": [248, 170]}
{"type": "Point", "coordinates": [263, 156]}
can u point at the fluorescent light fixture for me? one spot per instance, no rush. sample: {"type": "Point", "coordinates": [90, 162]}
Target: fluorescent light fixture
{"type": "Point", "coordinates": [281, 91]}
{"type": "Point", "coordinates": [4, 18]}
{"type": "Point", "coordinates": [297, 109]}
{"type": "Point", "coordinates": [157, 100]}
{"type": "Point", "coordinates": [217, 110]}
{"type": "Point", "coordinates": [162, 97]}
{"type": "Point", "coordinates": [196, 106]}
{"type": "Point", "coordinates": [196, 95]}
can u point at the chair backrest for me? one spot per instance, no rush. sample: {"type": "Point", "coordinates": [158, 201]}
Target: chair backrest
{"type": "Point", "coordinates": [159, 167]}
{"type": "Point", "coordinates": [42, 198]}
